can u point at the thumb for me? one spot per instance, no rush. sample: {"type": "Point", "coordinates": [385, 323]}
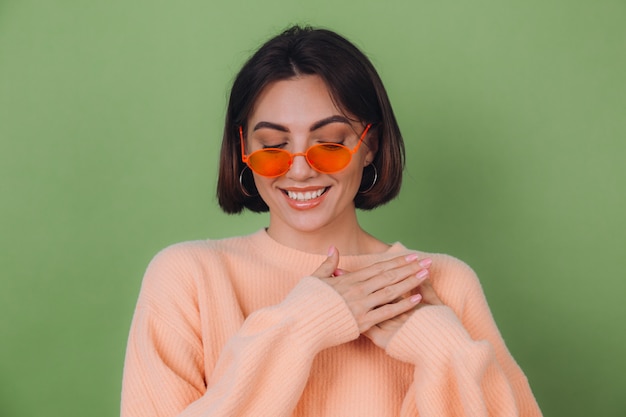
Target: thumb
{"type": "Point", "coordinates": [328, 267]}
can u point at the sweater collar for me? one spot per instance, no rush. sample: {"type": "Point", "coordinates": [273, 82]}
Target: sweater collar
{"type": "Point", "coordinates": [290, 256]}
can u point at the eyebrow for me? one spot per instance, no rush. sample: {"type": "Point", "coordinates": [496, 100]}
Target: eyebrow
{"type": "Point", "coordinates": [317, 125]}
{"type": "Point", "coordinates": [329, 120]}
{"type": "Point", "coordinates": [269, 125]}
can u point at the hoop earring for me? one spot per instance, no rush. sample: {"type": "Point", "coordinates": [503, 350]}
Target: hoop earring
{"type": "Point", "coordinates": [244, 190]}
{"type": "Point", "coordinates": [368, 189]}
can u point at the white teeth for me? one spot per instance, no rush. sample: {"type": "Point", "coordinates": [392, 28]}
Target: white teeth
{"type": "Point", "coordinates": [309, 195]}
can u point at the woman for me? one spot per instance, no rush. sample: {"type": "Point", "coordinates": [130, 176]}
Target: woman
{"type": "Point", "coordinates": [313, 316]}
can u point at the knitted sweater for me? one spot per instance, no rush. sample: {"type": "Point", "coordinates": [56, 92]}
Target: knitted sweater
{"type": "Point", "coordinates": [237, 327]}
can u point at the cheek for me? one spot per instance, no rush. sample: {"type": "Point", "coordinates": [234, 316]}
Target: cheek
{"type": "Point", "coordinates": [262, 185]}
{"type": "Point", "coordinates": [352, 177]}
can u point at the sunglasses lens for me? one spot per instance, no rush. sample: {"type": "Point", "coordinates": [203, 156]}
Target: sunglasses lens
{"type": "Point", "coordinates": [328, 157]}
{"type": "Point", "coordinates": [325, 157]}
{"type": "Point", "coordinates": [270, 162]}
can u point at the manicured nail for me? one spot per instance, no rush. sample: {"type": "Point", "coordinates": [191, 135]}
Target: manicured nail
{"type": "Point", "coordinates": [411, 257]}
{"type": "Point", "coordinates": [422, 274]}
{"type": "Point", "coordinates": [416, 298]}
{"type": "Point", "coordinates": [425, 263]}
{"type": "Point", "coordinates": [331, 250]}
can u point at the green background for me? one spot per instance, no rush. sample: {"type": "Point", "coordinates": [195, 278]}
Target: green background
{"type": "Point", "coordinates": [110, 122]}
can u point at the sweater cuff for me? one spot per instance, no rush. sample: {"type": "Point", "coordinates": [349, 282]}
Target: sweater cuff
{"type": "Point", "coordinates": [430, 337]}
{"type": "Point", "coordinates": [326, 318]}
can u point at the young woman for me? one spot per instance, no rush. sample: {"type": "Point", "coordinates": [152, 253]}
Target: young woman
{"type": "Point", "coordinates": [313, 316]}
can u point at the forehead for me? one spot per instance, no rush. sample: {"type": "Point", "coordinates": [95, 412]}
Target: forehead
{"type": "Point", "coordinates": [298, 101]}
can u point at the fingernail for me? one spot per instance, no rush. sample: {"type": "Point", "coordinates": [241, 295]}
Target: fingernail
{"type": "Point", "coordinates": [416, 298]}
{"type": "Point", "coordinates": [425, 263]}
{"type": "Point", "coordinates": [422, 274]}
{"type": "Point", "coordinates": [411, 257]}
{"type": "Point", "coordinates": [331, 250]}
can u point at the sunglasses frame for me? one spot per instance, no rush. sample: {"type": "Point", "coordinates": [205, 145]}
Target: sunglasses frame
{"type": "Point", "coordinates": [246, 158]}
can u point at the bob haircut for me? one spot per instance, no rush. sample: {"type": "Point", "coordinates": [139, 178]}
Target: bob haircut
{"type": "Point", "coordinates": [355, 87]}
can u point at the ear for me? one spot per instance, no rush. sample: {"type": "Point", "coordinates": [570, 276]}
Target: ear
{"type": "Point", "coordinates": [372, 147]}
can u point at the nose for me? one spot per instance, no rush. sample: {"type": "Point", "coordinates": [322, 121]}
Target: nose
{"type": "Point", "coordinates": [300, 169]}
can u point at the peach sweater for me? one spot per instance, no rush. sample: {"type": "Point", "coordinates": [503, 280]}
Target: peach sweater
{"type": "Point", "coordinates": [235, 327]}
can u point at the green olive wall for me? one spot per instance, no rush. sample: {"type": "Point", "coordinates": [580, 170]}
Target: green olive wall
{"type": "Point", "coordinates": [110, 123]}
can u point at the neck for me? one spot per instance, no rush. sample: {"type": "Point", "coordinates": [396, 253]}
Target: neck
{"type": "Point", "coordinates": [348, 237]}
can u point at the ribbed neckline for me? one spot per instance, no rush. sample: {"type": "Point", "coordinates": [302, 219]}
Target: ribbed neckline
{"type": "Point", "coordinates": [264, 242]}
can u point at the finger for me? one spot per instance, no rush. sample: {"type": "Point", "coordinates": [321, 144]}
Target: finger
{"type": "Point", "coordinates": [377, 335]}
{"type": "Point", "coordinates": [338, 272]}
{"type": "Point", "coordinates": [393, 271]}
{"type": "Point", "coordinates": [395, 291]}
{"type": "Point", "coordinates": [382, 333]}
{"type": "Point", "coordinates": [389, 311]}
{"type": "Point", "coordinates": [428, 293]}
{"type": "Point", "coordinates": [329, 266]}
{"type": "Point", "coordinates": [383, 266]}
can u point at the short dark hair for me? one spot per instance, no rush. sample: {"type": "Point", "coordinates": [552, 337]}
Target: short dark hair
{"type": "Point", "coordinates": [355, 87]}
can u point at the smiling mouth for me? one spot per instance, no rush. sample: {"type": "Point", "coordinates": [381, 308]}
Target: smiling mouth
{"type": "Point", "coordinates": [305, 196]}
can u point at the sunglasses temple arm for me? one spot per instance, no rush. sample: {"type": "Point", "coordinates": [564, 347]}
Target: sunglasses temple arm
{"type": "Point", "coordinates": [358, 145]}
{"type": "Point", "coordinates": [244, 157]}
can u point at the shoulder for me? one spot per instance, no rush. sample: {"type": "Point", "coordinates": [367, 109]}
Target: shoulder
{"type": "Point", "coordinates": [180, 268]}
{"type": "Point", "coordinates": [448, 267]}
{"type": "Point", "coordinates": [183, 257]}
{"type": "Point", "coordinates": [453, 279]}
{"type": "Point", "coordinates": [197, 253]}
{"type": "Point", "coordinates": [442, 262]}
{"type": "Point", "coordinates": [444, 267]}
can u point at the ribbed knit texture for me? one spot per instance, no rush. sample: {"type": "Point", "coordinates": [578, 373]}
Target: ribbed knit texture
{"type": "Point", "coordinates": [237, 327]}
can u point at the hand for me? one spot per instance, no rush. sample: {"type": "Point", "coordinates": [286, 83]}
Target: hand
{"type": "Point", "coordinates": [382, 333]}
{"type": "Point", "coordinates": [429, 296]}
{"type": "Point", "coordinates": [375, 294]}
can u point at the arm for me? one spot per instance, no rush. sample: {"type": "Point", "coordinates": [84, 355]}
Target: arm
{"type": "Point", "coordinates": [174, 369]}
{"type": "Point", "coordinates": [462, 366]}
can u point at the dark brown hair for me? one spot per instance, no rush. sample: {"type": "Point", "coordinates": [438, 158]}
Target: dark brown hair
{"type": "Point", "coordinates": [354, 85]}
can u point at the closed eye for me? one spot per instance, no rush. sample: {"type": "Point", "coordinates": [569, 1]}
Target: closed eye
{"type": "Point", "coordinates": [278, 146]}
{"type": "Point", "coordinates": [331, 146]}
{"type": "Point", "coordinates": [328, 146]}
{"type": "Point", "coordinates": [324, 142]}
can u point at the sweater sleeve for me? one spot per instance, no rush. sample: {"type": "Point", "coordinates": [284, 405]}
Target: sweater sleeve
{"type": "Point", "coordinates": [462, 366]}
{"type": "Point", "coordinates": [261, 369]}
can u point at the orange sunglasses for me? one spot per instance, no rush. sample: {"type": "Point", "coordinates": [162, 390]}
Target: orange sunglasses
{"type": "Point", "coordinates": [326, 158]}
